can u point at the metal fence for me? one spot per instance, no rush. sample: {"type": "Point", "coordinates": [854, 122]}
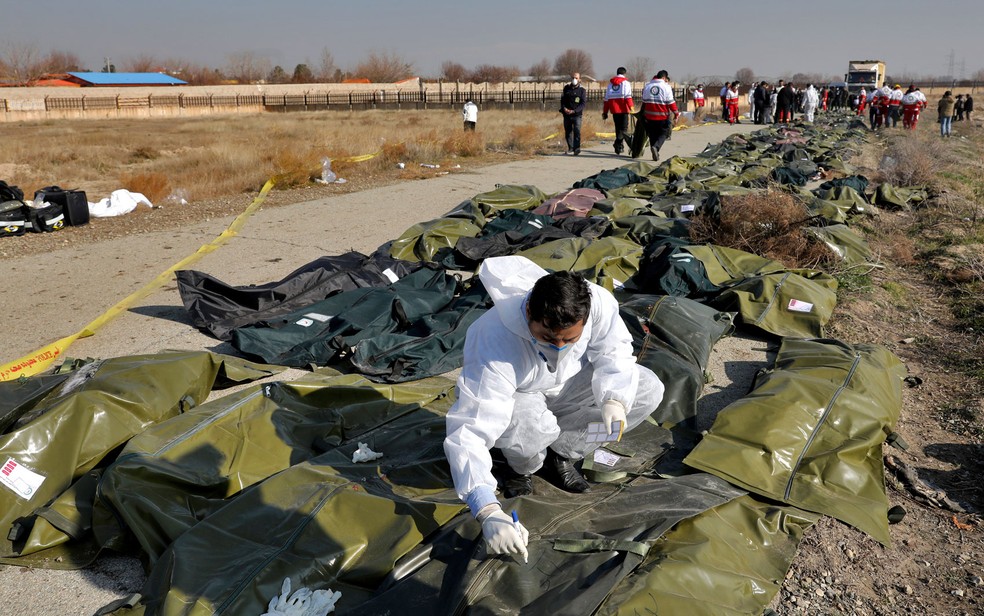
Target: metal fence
{"type": "Point", "coordinates": [375, 99]}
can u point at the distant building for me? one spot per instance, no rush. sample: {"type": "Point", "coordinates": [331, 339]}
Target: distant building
{"type": "Point", "coordinates": [95, 80]}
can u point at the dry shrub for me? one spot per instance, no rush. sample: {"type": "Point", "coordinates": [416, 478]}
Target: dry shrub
{"type": "Point", "coordinates": [465, 143]}
{"type": "Point", "coordinates": [292, 168]}
{"type": "Point", "coordinates": [155, 186]}
{"type": "Point", "coordinates": [900, 248]}
{"type": "Point", "coordinates": [766, 223]}
{"type": "Point", "coordinates": [590, 128]}
{"type": "Point", "coordinates": [144, 153]}
{"type": "Point", "coordinates": [523, 138]}
{"type": "Point", "coordinates": [910, 161]}
{"type": "Point", "coordinates": [394, 152]}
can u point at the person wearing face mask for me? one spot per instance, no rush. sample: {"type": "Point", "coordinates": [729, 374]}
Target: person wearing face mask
{"type": "Point", "coordinates": [572, 101]}
{"type": "Point", "coordinates": [549, 358]}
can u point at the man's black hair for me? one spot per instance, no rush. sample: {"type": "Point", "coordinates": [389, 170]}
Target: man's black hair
{"type": "Point", "coordinates": [560, 300]}
{"type": "Point", "coordinates": [620, 71]}
{"type": "Point", "coordinates": [662, 74]}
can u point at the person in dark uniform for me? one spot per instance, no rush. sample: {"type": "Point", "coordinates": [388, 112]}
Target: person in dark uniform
{"type": "Point", "coordinates": [572, 102]}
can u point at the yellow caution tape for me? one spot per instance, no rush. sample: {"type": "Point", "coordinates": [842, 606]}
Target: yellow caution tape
{"type": "Point", "coordinates": [358, 159]}
{"type": "Point", "coordinates": [40, 360]}
{"type": "Point", "coordinates": [549, 137]}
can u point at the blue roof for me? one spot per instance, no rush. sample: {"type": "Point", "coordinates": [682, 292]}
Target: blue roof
{"type": "Point", "coordinates": [129, 79]}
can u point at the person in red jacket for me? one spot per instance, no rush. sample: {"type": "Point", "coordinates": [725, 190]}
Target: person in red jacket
{"type": "Point", "coordinates": [657, 105]}
{"type": "Point", "coordinates": [731, 100]}
{"type": "Point", "coordinates": [618, 102]}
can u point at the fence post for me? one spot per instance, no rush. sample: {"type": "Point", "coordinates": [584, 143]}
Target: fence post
{"type": "Point", "coordinates": [117, 102]}
{"type": "Point", "coordinates": [83, 102]}
{"type": "Point", "coordinates": [181, 101]}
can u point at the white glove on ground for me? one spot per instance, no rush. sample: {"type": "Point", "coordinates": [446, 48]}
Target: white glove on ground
{"type": "Point", "coordinates": [502, 536]}
{"type": "Point", "coordinates": [302, 602]}
{"type": "Point", "coordinates": [611, 412]}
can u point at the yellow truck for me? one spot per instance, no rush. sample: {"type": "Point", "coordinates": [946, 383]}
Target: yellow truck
{"type": "Point", "coordinates": [867, 74]}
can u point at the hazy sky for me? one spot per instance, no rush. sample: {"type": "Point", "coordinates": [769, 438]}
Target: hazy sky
{"type": "Point", "coordinates": [705, 37]}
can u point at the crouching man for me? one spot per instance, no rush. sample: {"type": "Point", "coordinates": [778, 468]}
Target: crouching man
{"type": "Point", "coordinates": [551, 357]}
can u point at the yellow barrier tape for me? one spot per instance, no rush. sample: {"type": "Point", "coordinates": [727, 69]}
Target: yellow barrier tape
{"type": "Point", "coordinates": [357, 159]}
{"type": "Point", "coordinates": [549, 137]}
{"type": "Point", "coordinates": [40, 360]}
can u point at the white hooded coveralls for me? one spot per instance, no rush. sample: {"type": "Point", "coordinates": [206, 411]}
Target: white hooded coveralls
{"type": "Point", "coordinates": [510, 398]}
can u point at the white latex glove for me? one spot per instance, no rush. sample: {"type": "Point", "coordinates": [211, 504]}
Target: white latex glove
{"type": "Point", "coordinates": [503, 536]}
{"type": "Point", "coordinates": [611, 412]}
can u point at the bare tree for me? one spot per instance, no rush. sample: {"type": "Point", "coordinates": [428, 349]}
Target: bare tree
{"type": "Point", "coordinates": [384, 67]}
{"type": "Point", "coordinates": [574, 61]}
{"type": "Point", "coordinates": [640, 69]}
{"type": "Point", "coordinates": [541, 70]}
{"type": "Point", "coordinates": [326, 68]}
{"type": "Point", "coordinates": [490, 73]}
{"type": "Point", "coordinates": [247, 66]}
{"type": "Point", "coordinates": [452, 71]}
{"type": "Point", "coordinates": [61, 62]}
{"type": "Point", "coordinates": [141, 64]}
{"type": "Point", "coordinates": [23, 61]}
{"type": "Point", "coordinates": [745, 76]}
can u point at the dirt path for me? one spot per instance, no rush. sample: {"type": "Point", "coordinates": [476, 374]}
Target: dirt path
{"type": "Point", "coordinates": [59, 292]}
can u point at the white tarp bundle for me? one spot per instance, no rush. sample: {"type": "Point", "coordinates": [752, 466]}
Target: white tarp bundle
{"type": "Point", "coordinates": [118, 203]}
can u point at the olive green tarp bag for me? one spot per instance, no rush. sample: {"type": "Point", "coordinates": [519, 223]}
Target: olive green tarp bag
{"type": "Point", "coordinates": [509, 196]}
{"type": "Point", "coordinates": [99, 408]}
{"type": "Point", "coordinates": [726, 265]}
{"type": "Point", "coordinates": [608, 262]}
{"type": "Point", "coordinates": [179, 472]}
{"type": "Point", "coordinates": [423, 240]}
{"type": "Point", "coordinates": [614, 208]}
{"type": "Point", "coordinates": [688, 569]}
{"type": "Point", "coordinates": [810, 433]}
{"type": "Point", "coordinates": [899, 198]}
{"type": "Point", "coordinates": [795, 303]}
{"type": "Point", "coordinates": [673, 337]}
{"type": "Point", "coordinates": [843, 242]}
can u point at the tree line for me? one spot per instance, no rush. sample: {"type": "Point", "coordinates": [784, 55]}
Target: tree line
{"type": "Point", "coordinates": [25, 63]}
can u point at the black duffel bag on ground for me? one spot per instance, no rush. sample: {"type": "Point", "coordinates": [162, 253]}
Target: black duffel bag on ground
{"type": "Point", "coordinates": [13, 217]}
{"type": "Point", "coordinates": [74, 203]}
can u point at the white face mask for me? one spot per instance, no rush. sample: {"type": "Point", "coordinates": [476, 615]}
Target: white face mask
{"type": "Point", "coordinates": [550, 353]}
{"type": "Point", "coordinates": [574, 82]}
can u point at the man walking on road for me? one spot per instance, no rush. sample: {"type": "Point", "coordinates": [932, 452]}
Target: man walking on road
{"type": "Point", "coordinates": [618, 102]}
{"type": "Point", "coordinates": [572, 102]}
{"type": "Point", "coordinates": [657, 105]}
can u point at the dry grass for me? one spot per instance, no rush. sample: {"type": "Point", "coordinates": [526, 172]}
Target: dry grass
{"type": "Point", "coordinates": [211, 157]}
{"type": "Point", "coordinates": [155, 186]}
{"type": "Point", "coordinates": [768, 223]}
{"type": "Point", "coordinates": [913, 159]}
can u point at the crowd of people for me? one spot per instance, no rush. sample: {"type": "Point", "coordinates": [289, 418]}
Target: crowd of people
{"type": "Point", "coordinates": [778, 103]}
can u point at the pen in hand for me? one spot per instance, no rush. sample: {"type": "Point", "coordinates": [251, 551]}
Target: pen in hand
{"type": "Point", "coordinates": [519, 530]}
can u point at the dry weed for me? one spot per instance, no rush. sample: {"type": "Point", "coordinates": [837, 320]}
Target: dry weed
{"type": "Point", "coordinates": [294, 168]}
{"type": "Point", "coordinates": [465, 143]}
{"type": "Point", "coordinates": [153, 185]}
{"type": "Point", "coordinates": [216, 156]}
{"type": "Point", "coordinates": [524, 138]}
{"type": "Point", "coordinates": [912, 159]}
{"type": "Point", "coordinates": [767, 223]}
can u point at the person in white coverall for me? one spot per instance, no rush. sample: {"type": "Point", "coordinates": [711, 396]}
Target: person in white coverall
{"type": "Point", "coordinates": [811, 98]}
{"type": "Point", "coordinates": [550, 357]}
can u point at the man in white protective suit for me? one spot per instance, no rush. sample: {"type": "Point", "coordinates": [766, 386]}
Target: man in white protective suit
{"type": "Point", "coordinates": [551, 357]}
